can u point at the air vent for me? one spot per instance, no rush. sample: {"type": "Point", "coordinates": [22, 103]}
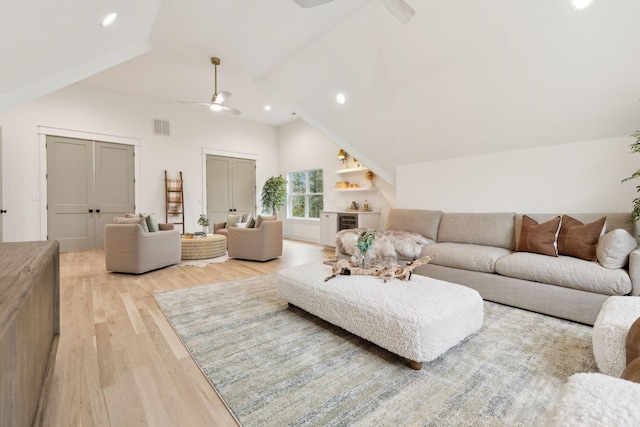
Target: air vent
{"type": "Point", "coordinates": [161, 127]}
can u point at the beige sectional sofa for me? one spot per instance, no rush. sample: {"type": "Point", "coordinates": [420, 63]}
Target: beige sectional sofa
{"type": "Point", "coordinates": [478, 250]}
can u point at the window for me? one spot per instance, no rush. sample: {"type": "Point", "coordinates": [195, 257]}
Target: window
{"type": "Point", "coordinates": [305, 194]}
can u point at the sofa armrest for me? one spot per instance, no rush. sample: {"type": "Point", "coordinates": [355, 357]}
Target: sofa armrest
{"type": "Point", "coordinates": [218, 225]}
{"type": "Point", "coordinates": [634, 271]}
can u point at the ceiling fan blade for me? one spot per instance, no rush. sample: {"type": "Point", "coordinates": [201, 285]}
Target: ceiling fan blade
{"type": "Point", "coordinates": [400, 9]}
{"type": "Point", "coordinates": [311, 3]}
{"type": "Point", "coordinates": [229, 109]}
{"type": "Point", "coordinates": [194, 103]}
{"type": "Point", "coordinates": [219, 97]}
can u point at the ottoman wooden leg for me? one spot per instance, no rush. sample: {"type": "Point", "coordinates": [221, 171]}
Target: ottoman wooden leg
{"type": "Point", "coordinates": [415, 365]}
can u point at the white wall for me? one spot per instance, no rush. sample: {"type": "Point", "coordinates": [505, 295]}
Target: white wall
{"type": "Point", "coordinates": [303, 147]}
{"type": "Point", "coordinates": [84, 109]}
{"type": "Point", "coordinates": [570, 178]}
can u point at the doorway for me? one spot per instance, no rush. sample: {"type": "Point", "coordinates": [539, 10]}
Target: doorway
{"type": "Point", "coordinates": [88, 183]}
{"type": "Point", "coordinates": [231, 186]}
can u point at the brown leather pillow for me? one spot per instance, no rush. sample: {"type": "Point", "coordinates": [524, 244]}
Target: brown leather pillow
{"type": "Point", "coordinates": [580, 240]}
{"type": "Point", "coordinates": [633, 341]}
{"type": "Point", "coordinates": [538, 238]}
{"type": "Point", "coordinates": [632, 371]}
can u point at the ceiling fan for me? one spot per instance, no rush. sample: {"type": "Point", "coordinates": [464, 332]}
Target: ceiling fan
{"type": "Point", "coordinates": [216, 103]}
{"type": "Point", "coordinates": [398, 8]}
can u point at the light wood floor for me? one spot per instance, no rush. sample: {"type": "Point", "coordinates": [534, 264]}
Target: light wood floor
{"type": "Point", "coordinates": [119, 362]}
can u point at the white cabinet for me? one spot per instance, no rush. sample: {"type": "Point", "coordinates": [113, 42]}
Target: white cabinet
{"type": "Point", "coordinates": [369, 220]}
{"type": "Point", "coordinates": [328, 228]}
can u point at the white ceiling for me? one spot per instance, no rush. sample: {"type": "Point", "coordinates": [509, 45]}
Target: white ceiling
{"type": "Point", "coordinates": [462, 77]}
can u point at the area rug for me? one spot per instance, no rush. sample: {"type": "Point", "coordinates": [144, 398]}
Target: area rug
{"type": "Point", "coordinates": [277, 366]}
{"type": "Point", "coordinates": [202, 262]}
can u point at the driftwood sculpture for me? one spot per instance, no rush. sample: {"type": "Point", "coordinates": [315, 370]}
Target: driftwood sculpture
{"type": "Point", "coordinates": [344, 268]}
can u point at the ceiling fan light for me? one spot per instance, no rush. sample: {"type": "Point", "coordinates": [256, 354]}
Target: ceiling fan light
{"type": "Point", "coordinates": [215, 107]}
{"type": "Point", "coordinates": [109, 19]}
{"type": "Point", "coordinates": [267, 107]}
{"type": "Point", "coordinates": [581, 4]}
{"type": "Point", "coordinates": [341, 98]}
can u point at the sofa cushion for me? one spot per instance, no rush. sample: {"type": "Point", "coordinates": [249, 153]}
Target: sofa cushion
{"type": "Point", "coordinates": [488, 229]}
{"type": "Point", "coordinates": [539, 238]}
{"type": "Point", "coordinates": [614, 248]}
{"type": "Point", "coordinates": [580, 240]}
{"type": "Point", "coordinates": [465, 256]}
{"type": "Point", "coordinates": [565, 271]}
{"type": "Point", "coordinates": [418, 221]}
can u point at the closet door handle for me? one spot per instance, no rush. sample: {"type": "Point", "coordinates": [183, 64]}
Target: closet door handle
{"type": "Point", "coordinates": [3, 211]}
{"type": "Point", "coordinates": [90, 210]}
{"type": "Point", "coordinates": [97, 210]}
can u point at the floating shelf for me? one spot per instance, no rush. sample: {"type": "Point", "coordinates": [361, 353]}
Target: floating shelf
{"type": "Point", "coordinates": [352, 170]}
{"type": "Point", "coordinates": [357, 189]}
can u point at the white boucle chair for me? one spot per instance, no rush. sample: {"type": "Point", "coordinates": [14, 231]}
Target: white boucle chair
{"type": "Point", "coordinates": [610, 333]}
{"type": "Point", "coordinates": [597, 400]}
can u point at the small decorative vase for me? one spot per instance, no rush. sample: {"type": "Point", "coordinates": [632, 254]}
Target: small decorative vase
{"type": "Point", "coordinates": [364, 260]}
{"type": "Point", "coordinates": [205, 229]}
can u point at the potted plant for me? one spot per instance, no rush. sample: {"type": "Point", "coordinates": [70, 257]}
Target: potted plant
{"type": "Point", "coordinates": [204, 222]}
{"type": "Point", "coordinates": [274, 194]}
{"type": "Point", "coordinates": [635, 148]}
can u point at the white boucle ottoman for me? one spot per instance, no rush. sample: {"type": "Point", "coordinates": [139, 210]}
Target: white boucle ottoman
{"type": "Point", "coordinates": [610, 333]}
{"type": "Point", "coordinates": [419, 319]}
{"type": "Point", "coordinates": [596, 400]}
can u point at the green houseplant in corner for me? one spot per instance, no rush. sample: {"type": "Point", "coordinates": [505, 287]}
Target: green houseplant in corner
{"type": "Point", "coordinates": [635, 148]}
{"type": "Point", "coordinates": [274, 194]}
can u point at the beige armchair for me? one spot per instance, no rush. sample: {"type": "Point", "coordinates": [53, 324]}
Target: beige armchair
{"type": "Point", "coordinates": [130, 249]}
{"type": "Point", "coordinates": [256, 244]}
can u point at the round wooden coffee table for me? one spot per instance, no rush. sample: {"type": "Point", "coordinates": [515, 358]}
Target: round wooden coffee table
{"type": "Point", "coordinates": [204, 247]}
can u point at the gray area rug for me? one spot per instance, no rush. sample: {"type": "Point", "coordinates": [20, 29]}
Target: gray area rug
{"type": "Point", "coordinates": [276, 366]}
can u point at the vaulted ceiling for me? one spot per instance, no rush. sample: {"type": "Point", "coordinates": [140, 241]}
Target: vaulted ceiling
{"type": "Point", "coordinates": [462, 77]}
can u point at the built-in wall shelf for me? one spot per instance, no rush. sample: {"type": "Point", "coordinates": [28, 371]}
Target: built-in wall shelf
{"type": "Point", "coordinates": [351, 170]}
{"type": "Point", "coordinates": [357, 189]}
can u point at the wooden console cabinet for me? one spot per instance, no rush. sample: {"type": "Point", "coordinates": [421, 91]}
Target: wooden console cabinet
{"type": "Point", "coordinates": [29, 327]}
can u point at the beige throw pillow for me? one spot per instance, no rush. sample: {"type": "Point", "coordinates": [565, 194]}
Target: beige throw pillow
{"type": "Point", "coordinates": [262, 218]}
{"type": "Point", "coordinates": [614, 248]}
{"type": "Point", "coordinates": [539, 238]}
{"type": "Point", "coordinates": [232, 220]}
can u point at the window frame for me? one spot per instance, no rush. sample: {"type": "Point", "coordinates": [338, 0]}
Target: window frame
{"type": "Point", "coordinates": [307, 194]}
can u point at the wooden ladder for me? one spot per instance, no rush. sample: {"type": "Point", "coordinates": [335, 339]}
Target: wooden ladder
{"type": "Point", "coordinates": [175, 200]}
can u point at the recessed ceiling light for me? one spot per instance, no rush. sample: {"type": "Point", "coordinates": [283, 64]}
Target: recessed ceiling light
{"type": "Point", "coordinates": [267, 107]}
{"type": "Point", "coordinates": [581, 4]}
{"type": "Point", "coordinates": [109, 19]}
{"type": "Point", "coordinates": [341, 98]}
{"type": "Point", "coordinates": [215, 107]}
